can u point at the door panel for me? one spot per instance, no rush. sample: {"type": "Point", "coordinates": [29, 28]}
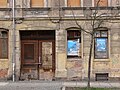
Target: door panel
{"type": "Point", "coordinates": [29, 51]}
{"type": "Point", "coordinates": [47, 55]}
{"type": "Point", "coordinates": [46, 69]}
{"type": "Point", "coordinates": [29, 67]}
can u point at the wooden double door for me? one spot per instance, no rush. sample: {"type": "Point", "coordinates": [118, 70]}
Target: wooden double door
{"type": "Point", "coordinates": [37, 59]}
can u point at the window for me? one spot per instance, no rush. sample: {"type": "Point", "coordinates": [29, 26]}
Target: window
{"type": "Point", "coordinates": [3, 3]}
{"type": "Point", "coordinates": [73, 43]}
{"type": "Point", "coordinates": [101, 76]}
{"type": "Point", "coordinates": [73, 3]}
{"type": "Point", "coordinates": [3, 45]}
{"type": "Point", "coordinates": [101, 3]}
{"type": "Point", "coordinates": [101, 44]}
{"type": "Point", "coordinates": [37, 3]}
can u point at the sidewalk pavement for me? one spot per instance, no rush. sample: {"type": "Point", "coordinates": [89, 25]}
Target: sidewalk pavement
{"type": "Point", "coordinates": [3, 83]}
{"type": "Point", "coordinates": [101, 84]}
{"type": "Point", "coordinates": [53, 85]}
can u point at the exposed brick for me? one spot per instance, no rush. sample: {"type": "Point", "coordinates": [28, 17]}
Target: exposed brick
{"type": "Point", "coordinates": [3, 73]}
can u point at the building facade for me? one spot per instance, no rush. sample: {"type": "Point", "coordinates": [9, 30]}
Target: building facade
{"type": "Point", "coordinates": [51, 39]}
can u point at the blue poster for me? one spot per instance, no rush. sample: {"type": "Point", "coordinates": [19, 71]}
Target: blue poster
{"type": "Point", "coordinates": [73, 47]}
{"type": "Point", "coordinates": [101, 44]}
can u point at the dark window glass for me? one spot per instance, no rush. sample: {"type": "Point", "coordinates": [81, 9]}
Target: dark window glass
{"type": "Point", "coordinates": [3, 45]}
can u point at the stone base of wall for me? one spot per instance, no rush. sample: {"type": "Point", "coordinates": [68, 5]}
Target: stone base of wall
{"type": "Point", "coordinates": [29, 74]}
{"type": "Point", "coordinates": [74, 79]}
{"type": "Point", "coordinates": [114, 79]}
{"type": "Point", "coordinates": [61, 73]}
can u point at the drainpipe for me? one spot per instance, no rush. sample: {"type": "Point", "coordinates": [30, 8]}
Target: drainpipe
{"type": "Point", "coordinates": [13, 43]}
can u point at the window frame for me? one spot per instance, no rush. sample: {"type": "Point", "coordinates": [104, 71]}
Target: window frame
{"type": "Point", "coordinates": [6, 39]}
{"type": "Point", "coordinates": [107, 45]}
{"type": "Point", "coordinates": [77, 38]}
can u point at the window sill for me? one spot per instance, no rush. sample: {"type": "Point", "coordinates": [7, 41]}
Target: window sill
{"type": "Point", "coordinates": [5, 9]}
{"type": "Point", "coordinates": [3, 59]}
{"type": "Point", "coordinates": [88, 8]}
{"type": "Point", "coordinates": [36, 8]}
{"type": "Point", "coordinates": [101, 60]}
{"type": "Point", "coordinates": [72, 8]}
{"type": "Point", "coordinates": [69, 15]}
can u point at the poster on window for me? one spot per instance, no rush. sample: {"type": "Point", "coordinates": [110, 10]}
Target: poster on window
{"type": "Point", "coordinates": [73, 47]}
{"type": "Point", "coordinates": [101, 44]}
